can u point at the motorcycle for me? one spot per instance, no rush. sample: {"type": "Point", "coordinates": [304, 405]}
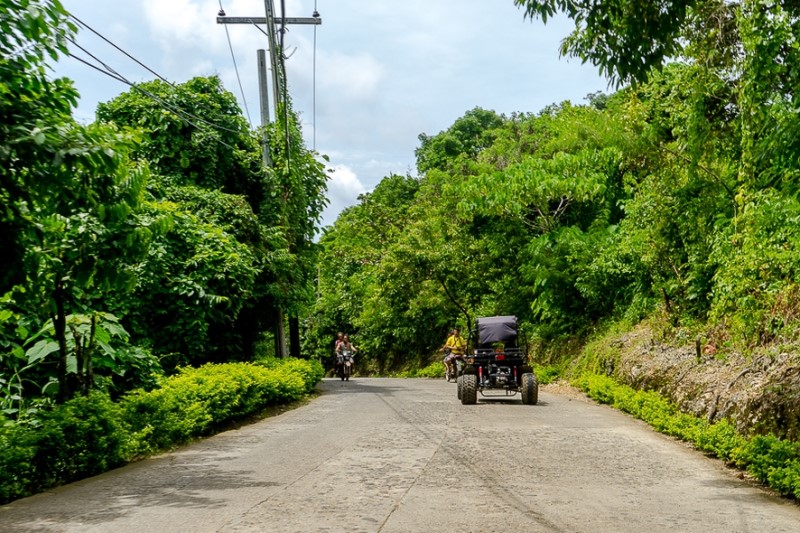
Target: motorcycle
{"type": "Point", "coordinates": [454, 366]}
{"type": "Point", "coordinates": [344, 363]}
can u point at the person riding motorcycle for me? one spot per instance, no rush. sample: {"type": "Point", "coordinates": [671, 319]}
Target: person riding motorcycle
{"type": "Point", "coordinates": [341, 347]}
{"type": "Point", "coordinates": [454, 348]}
{"type": "Point", "coordinates": [339, 339]}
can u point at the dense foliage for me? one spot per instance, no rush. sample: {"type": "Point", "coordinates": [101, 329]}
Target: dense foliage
{"type": "Point", "coordinates": [71, 225]}
{"type": "Point", "coordinates": [152, 238]}
{"type": "Point", "coordinates": [240, 248]}
{"type": "Point", "coordinates": [676, 194]}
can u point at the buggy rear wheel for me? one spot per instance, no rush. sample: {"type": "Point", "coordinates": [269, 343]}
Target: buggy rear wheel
{"type": "Point", "coordinates": [469, 389]}
{"type": "Point", "coordinates": [529, 389]}
{"type": "Point", "coordinates": [459, 385]}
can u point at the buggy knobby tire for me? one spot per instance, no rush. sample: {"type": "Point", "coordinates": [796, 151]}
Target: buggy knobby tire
{"type": "Point", "coordinates": [529, 389]}
{"type": "Point", "coordinates": [459, 385]}
{"type": "Point", "coordinates": [469, 389]}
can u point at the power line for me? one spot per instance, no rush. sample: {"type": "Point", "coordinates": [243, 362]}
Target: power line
{"type": "Point", "coordinates": [236, 68]}
{"type": "Point", "coordinates": [88, 64]}
{"type": "Point", "coordinates": [314, 84]}
{"type": "Point", "coordinates": [110, 72]}
{"type": "Point", "coordinates": [181, 114]}
{"type": "Point", "coordinates": [277, 46]}
{"type": "Point", "coordinates": [151, 71]}
{"type": "Point", "coordinates": [117, 76]}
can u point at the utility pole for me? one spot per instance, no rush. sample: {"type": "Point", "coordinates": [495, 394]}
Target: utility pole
{"type": "Point", "coordinates": [270, 22]}
{"type": "Point", "coordinates": [264, 99]}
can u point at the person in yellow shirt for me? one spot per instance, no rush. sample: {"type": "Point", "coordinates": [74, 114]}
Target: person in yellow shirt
{"type": "Point", "coordinates": [454, 348]}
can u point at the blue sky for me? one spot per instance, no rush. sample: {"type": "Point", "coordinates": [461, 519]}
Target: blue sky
{"type": "Point", "coordinates": [386, 70]}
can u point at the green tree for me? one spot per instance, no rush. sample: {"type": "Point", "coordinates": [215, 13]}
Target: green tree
{"type": "Point", "coordinates": [70, 199]}
{"type": "Point", "coordinates": [197, 140]}
{"type": "Point", "coordinates": [467, 137]}
{"type": "Point", "coordinates": [348, 258]}
{"type": "Point", "coordinates": [623, 38]}
{"type": "Point", "coordinates": [196, 135]}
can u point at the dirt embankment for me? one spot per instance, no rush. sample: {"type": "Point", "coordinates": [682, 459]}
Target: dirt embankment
{"type": "Point", "coordinates": [760, 393]}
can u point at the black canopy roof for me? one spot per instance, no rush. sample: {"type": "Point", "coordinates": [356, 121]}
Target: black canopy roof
{"type": "Point", "coordinates": [496, 328]}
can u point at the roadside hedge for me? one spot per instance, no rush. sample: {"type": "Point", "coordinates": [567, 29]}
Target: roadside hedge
{"type": "Point", "coordinates": [772, 461]}
{"type": "Point", "coordinates": [89, 435]}
{"type": "Point", "coordinates": [83, 437]}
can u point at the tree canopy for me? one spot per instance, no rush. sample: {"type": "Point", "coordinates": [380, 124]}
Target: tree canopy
{"type": "Point", "coordinates": [674, 196]}
{"type": "Point", "coordinates": [151, 238]}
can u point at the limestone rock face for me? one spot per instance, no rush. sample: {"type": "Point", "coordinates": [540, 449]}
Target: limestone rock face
{"type": "Point", "coordinates": [759, 394]}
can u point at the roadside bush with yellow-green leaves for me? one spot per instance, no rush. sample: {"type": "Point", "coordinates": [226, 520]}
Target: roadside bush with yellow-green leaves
{"type": "Point", "coordinates": [91, 434]}
{"type": "Point", "coordinates": [433, 370]}
{"type": "Point", "coordinates": [196, 401]}
{"type": "Point", "coordinates": [83, 437]}
{"type": "Point", "coordinates": [772, 461]}
{"type": "Point", "coordinates": [311, 371]}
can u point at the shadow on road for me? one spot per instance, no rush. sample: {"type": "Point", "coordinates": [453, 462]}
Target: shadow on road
{"type": "Point", "coordinates": [180, 483]}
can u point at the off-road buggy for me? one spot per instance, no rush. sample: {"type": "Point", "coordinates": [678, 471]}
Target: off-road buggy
{"type": "Point", "coordinates": [497, 363]}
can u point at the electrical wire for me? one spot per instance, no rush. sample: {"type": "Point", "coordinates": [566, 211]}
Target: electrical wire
{"type": "Point", "coordinates": [151, 71]}
{"type": "Point", "coordinates": [285, 82]}
{"type": "Point", "coordinates": [314, 86]}
{"type": "Point", "coordinates": [181, 114]}
{"type": "Point", "coordinates": [118, 77]}
{"type": "Point", "coordinates": [88, 64]}
{"type": "Point", "coordinates": [236, 68]}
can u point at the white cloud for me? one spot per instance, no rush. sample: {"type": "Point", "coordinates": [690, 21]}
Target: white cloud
{"type": "Point", "coordinates": [385, 71]}
{"type": "Point", "coordinates": [179, 20]}
{"type": "Point", "coordinates": [344, 187]}
{"type": "Point", "coordinates": [354, 77]}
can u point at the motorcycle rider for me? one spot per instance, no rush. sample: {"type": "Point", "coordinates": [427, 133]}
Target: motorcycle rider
{"type": "Point", "coordinates": [339, 339]}
{"type": "Point", "coordinates": [455, 345]}
{"type": "Point", "coordinates": [345, 345]}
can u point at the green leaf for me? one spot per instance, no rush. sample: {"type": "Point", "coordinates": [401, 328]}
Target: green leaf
{"type": "Point", "coordinates": [41, 349]}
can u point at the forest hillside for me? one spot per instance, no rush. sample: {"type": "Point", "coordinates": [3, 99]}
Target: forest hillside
{"type": "Point", "coordinates": [661, 218]}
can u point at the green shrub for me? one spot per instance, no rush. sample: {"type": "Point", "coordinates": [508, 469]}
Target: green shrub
{"type": "Point", "coordinates": [162, 418]}
{"type": "Point", "coordinates": [80, 438]}
{"type": "Point", "coordinates": [433, 370]}
{"type": "Point", "coordinates": [547, 374]}
{"type": "Point", "coordinates": [18, 450]}
{"type": "Point", "coordinates": [720, 439]}
{"type": "Point", "coordinates": [311, 371]}
{"type": "Point", "coordinates": [196, 401]}
{"type": "Point", "coordinates": [772, 461]}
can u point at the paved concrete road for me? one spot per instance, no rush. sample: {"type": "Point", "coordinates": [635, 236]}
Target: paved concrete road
{"type": "Point", "coordinates": [392, 455]}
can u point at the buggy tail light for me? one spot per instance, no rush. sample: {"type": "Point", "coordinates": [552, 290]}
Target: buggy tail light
{"type": "Point", "coordinates": [480, 373]}
{"type": "Point", "coordinates": [515, 373]}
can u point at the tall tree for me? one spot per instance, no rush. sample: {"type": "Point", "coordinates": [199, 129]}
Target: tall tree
{"type": "Point", "coordinates": [70, 196]}
{"type": "Point", "coordinates": [197, 140]}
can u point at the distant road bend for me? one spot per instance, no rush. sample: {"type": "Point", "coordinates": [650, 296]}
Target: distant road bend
{"type": "Point", "coordinates": [395, 455]}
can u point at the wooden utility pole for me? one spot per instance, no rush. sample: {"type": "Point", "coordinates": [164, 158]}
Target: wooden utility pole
{"type": "Point", "coordinates": [264, 99]}
{"type": "Point", "coordinates": [270, 22]}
